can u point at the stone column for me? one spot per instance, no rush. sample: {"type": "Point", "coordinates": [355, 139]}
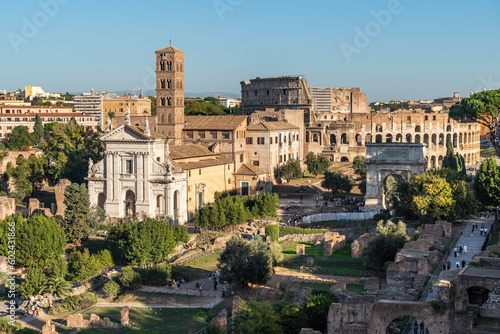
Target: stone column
{"type": "Point", "coordinates": [147, 177]}
{"type": "Point", "coordinates": [139, 180]}
{"type": "Point", "coordinates": [108, 166]}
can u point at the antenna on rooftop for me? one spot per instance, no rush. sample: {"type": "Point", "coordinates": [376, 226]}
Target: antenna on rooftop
{"type": "Point", "coordinates": [170, 41]}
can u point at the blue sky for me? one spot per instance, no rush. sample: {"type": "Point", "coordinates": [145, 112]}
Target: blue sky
{"type": "Point", "coordinates": [424, 49]}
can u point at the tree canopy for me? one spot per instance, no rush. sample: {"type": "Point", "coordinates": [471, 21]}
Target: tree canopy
{"type": "Point", "coordinates": [482, 108]}
{"type": "Point", "coordinates": [455, 162]}
{"type": "Point", "coordinates": [359, 166]}
{"type": "Point", "coordinates": [317, 164]}
{"type": "Point", "coordinates": [337, 182]}
{"type": "Point", "coordinates": [290, 170]}
{"type": "Point", "coordinates": [389, 238]}
{"type": "Point", "coordinates": [39, 240]}
{"type": "Point", "coordinates": [144, 242]}
{"type": "Point", "coordinates": [20, 138]}
{"type": "Point", "coordinates": [243, 262]}
{"type": "Point", "coordinates": [487, 183]}
{"type": "Point", "coordinates": [76, 199]}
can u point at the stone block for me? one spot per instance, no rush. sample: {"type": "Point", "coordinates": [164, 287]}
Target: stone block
{"type": "Point", "coordinates": [75, 320]}
{"type": "Point", "coordinates": [339, 286]}
{"type": "Point", "coordinates": [359, 245]}
{"type": "Point", "coordinates": [373, 283]}
{"type": "Point", "coordinates": [48, 328]}
{"type": "Point", "coordinates": [221, 321]}
{"type": "Point", "coordinates": [310, 262]}
{"type": "Point", "coordinates": [95, 321]}
{"type": "Point", "coordinates": [125, 316]}
{"type": "Point", "coordinates": [301, 249]}
{"type": "Point", "coordinates": [236, 304]}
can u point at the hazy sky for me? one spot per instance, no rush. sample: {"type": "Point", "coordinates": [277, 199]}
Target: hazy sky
{"type": "Point", "coordinates": [407, 49]}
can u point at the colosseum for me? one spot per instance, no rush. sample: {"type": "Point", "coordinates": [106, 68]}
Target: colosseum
{"type": "Point", "coordinates": [338, 121]}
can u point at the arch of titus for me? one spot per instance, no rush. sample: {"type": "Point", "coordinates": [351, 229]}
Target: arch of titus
{"type": "Point", "coordinates": [382, 160]}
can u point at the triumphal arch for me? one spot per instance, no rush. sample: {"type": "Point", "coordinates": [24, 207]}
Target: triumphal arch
{"type": "Point", "coordinates": [383, 159]}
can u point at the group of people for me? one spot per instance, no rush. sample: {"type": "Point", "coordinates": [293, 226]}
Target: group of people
{"type": "Point", "coordinates": [176, 282]}
{"type": "Point", "coordinates": [35, 310]}
{"type": "Point", "coordinates": [482, 230]}
{"type": "Point", "coordinates": [447, 264]}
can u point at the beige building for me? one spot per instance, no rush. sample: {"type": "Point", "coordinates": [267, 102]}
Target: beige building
{"type": "Point", "coordinates": [206, 171]}
{"type": "Point", "coordinates": [224, 135]}
{"type": "Point", "coordinates": [139, 107]}
{"type": "Point", "coordinates": [271, 144]}
{"type": "Point", "coordinates": [12, 116]}
{"type": "Point", "coordinates": [251, 180]}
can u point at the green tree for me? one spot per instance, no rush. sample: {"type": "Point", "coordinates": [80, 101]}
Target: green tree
{"type": "Point", "coordinates": [31, 286]}
{"type": "Point", "coordinates": [76, 199]}
{"type": "Point", "coordinates": [257, 317]}
{"type": "Point", "coordinates": [317, 164]}
{"type": "Point", "coordinates": [487, 183]}
{"type": "Point", "coordinates": [68, 149]}
{"type": "Point", "coordinates": [455, 162]}
{"type": "Point", "coordinates": [481, 108]}
{"type": "Point", "coordinates": [19, 139]}
{"type": "Point", "coordinates": [359, 166]}
{"type": "Point", "coordinates": [111, 289]}
{"type": "Point", "coordinates": [290, 170]}
{"type": "Point", "coordinates": [243, 262]}
{"type": "Point", "coordinates": [130, 279]}
{"type": "Point", "coordinates": [432, 196]}
{"type": "Point", "coordinates": [140, 243]}
{"type": "Point", "coordinates": [56, 286]}
{"type": "Point", "coordinates": [38, 130]}
{"type": "Point", "coordinates": [181, 234]}
{"type": "Point", "coordinates": [58, 267]}
{"type": "Point", "coordinates": [39, 240]}
{"type": "Point", "coordinates": [337, 182]}
{"type": "Point", "coordinates": [316, 309]}
{"type": "Point", "coordinates": [83, 266]}
{"type": "Point", "coordinates": [388, 239]}
{"type": "Point", "coordinates": [22, 178]}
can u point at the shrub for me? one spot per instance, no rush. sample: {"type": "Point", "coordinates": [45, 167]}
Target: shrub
{"type": "Point", "coordinates": [438, 306]}
{"type": "Point", "coordinates": [130, 279]}
{"type": "Point", "coordinates": [181, 234]}
{"type": "Point", "coordinates": [277, 253]}
{"type": "Point", "coordinates": [111, 289]}
{"type": "Point", "coordinates": [158, 274]}
{"type": "Point", "coordinates": [273, 232]}
{"type": "Point", "coordinates": [74, 303]}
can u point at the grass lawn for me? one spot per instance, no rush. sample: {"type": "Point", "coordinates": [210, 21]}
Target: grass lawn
{"type": "Point", "coordinates": [152, 321]}
{"type": "Point", "coordinates": [487, 151]}
{"type": "Point", "coordinates": [339, 263]}
{"type": "Point", "coordinates": [198, 268]}
{"type": "Point", "coordinates": [358, 288]}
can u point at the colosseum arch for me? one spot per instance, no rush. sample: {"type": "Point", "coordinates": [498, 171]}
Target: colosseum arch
{"type": "Point", "coordinates": [333, 140]}
{"type": "Point", "coordinates": [384, 159]}
{"type": "Point", "coordinates": [408, 138]}
{"type": "Point", "coordinates": [434, 139]}
{"type": "Point", "coordinates": [426, 139]}
{"type": "Point", "coordinates": [358, 140]}
{"type": "Point", "coordinates": [417, 139]}
{"type": "Point", "coordinates": [455, 140]}
{"type": "Point", "coordinates": [448, 128]}
{"type": "Point", "coordinates": [399, 138]}
{"type": "Point", "coordinates": [368, 138]}
{"type": "Point", "coordinates": [418, 129]}
{"type": "Point", "coordinates": [388, 138]}
{"type": "Point", "coordinates": [441, 139]}
{"type": "Point", "coordinates": [378, 139]}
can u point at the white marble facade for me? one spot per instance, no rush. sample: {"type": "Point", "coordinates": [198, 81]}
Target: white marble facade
{"type": "Point", "coordinates": [137, 177]}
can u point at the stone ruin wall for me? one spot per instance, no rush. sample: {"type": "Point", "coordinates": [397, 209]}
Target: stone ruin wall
{"type": "Point", "coordinates": [343, 137]}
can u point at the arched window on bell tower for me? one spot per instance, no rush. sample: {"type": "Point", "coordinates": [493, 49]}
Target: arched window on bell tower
{"type": "Point", "coordinates": [162, 101]}
{"type": "Point", "coordinates": [162, 66]}
{"type": "Point", "coordinates": [169, 66]}
{"type": "Point", "coordinates": [169, 119]}
{"type": "Point", "coordinates": [169, 101]}
{"type": "Point", "coordinates": [162, 83]}
{"type": "Point", "coordinates": [169, 83]}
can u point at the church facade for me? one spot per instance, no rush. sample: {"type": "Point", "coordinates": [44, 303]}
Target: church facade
{"type": "Point", "coordinates": [137, 177]}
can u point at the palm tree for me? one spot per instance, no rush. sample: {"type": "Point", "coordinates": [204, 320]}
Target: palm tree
{"type": "Point", "coordinates": [56, 286]}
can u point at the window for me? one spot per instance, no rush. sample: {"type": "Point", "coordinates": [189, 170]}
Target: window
{"type": "Point", "coordinates": [169, 83]}
{"type": "Point", "coordinates": [256, 163]}
{"type": "Point", "coordinates": [271, 140]}
{"type": "Point", "coordinates": [201, 134]}
{"type": "Point", "coordinates": [189, 173]}
{"type": "Point", "coordinates": [225, 135]}
{"type": "Point", "coordinates": [268, 92]}
{"type": "Point", "coordinates": [213, 134]}
{"type": "Point", "coordinates": [408, 119]}
{"type": "Point", "coordinates": [189, 134]}
{"type": "Point", "coordinates": [129, 166]}
{"type": "Point", "coordinates": [9, 127]}
{"type": "Point", "coordinates": [250, 140]}
{"type": "Point", "coordinates": [242, 157]}
{"type": "Point", "coordinates": [260, 140]}
{"type": "Point", "coordinates": [199, 171]}
{"type": "Point", "coordinates": [426, 118]}
{"type": "Point", "coordinates": [433, 118]}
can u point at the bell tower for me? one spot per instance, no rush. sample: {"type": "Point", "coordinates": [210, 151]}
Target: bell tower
{"type": "Point", "coordinates": [170, 92]}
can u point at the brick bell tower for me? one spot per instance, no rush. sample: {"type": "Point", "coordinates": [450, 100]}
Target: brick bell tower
{"type": "Point", "coordinates": [170, 92]}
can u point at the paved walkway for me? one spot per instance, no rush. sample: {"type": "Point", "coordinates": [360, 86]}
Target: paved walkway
{"type": "Point", "coordinates": [473, 241]}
